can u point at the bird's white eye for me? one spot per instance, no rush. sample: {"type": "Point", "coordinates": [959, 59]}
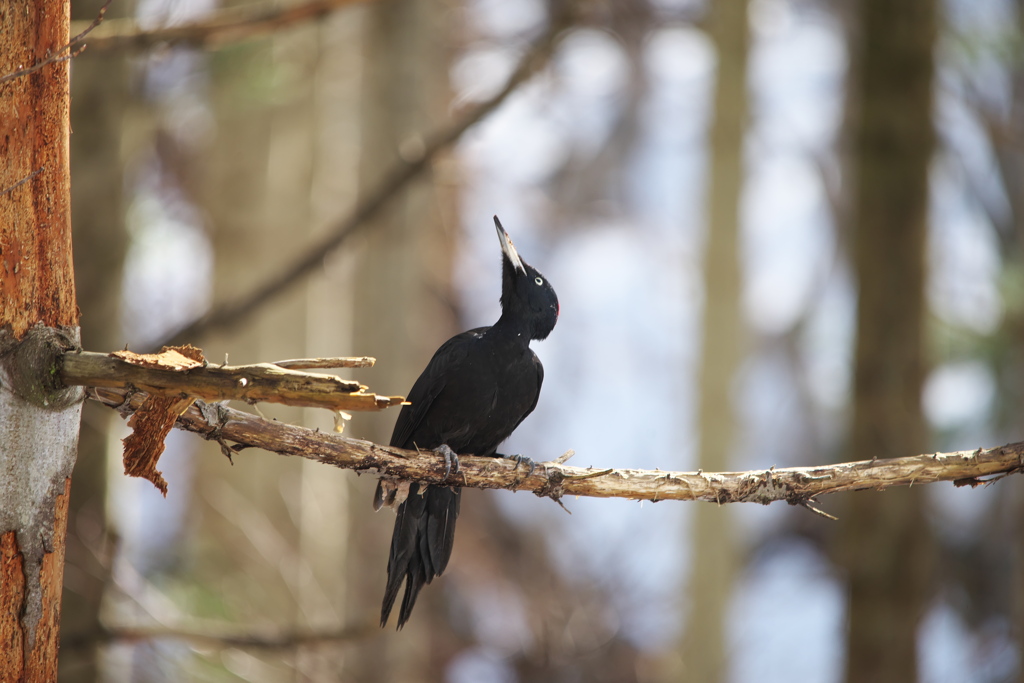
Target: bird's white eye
{"type": "Point", "coordinates": [539, 280]}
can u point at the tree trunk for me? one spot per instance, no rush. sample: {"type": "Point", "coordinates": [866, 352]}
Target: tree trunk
{"type": "Point", "coordinates": [1011, 166]}
{"type": "Point", "coordinates": [403, 307]}
{"type": "Point", "coordinates": [248, 173]}
{"type": "Point", "coordinates": [281, 169]}
{"type": "Point", "coordinates": [713, 551]}
{"type": "Point", "coordinates": [39, 421]}
{"type": "Point", "coordinates": [885, 547]}
{"type": "Point", "coordinates": [312, 180]}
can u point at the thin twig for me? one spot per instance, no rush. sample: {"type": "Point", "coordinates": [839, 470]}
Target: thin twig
{"type": "Point", "coordinates": [401, 175]}
{"type": "Point", "coordinates": [59, 55]}
{"type": "Point", "coordinates": [588, 475]}
{"type": "Point", "coordinates": [564, 457]}
{"type": "Point", "coordinates": [21, 182]}
{"type": "Point", "coordinates": [806, 504]}
{"type": "Point", "coordinates": [325, 363]}
{"type": "Point", "coordinates": [215, 30]}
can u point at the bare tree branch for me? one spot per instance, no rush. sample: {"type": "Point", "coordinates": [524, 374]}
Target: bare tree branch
{"type": "Point", "coordinates": [401, 175]}
{"type": "Point", "coordinates": [214, 30]}
{"type": "Point", "coordinates": [221, 639]}
{"type": "Point", "coordinates": [62, 55]}
{"type": "Point", "coordinates": [161, 375]}
{"type": "Point", "coordinates": [795, 485]}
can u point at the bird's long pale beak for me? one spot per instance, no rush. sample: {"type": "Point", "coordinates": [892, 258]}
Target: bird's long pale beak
{"type": "Point", "coordinates": [508, 248]}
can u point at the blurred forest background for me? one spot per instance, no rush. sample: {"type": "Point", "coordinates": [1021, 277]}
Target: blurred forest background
{"type": "Point", "coordinates": [783, 232]}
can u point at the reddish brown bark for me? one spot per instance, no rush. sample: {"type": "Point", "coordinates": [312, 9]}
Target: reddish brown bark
{"type": "Point", "coordinates": [41, 664]}
{"type": "Point", "coordinates": [36, 283]}
{"type": "Point", "coordinates": [36, 287]}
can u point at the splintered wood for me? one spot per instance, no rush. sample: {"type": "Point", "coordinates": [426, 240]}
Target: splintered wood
{"type": "Point", "coordinates": [170, 358]}
{"type": "Point", "coordinates": [182, 371]}
{"type": "Point", "coordinates": [169, 383]}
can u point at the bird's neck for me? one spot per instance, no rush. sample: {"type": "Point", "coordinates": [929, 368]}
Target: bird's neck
{"type": "Point", "coordinates": [511, 328]}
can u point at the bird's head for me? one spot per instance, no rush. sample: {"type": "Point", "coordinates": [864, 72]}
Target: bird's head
{"type": "Point", "coordinates": [526, 295]}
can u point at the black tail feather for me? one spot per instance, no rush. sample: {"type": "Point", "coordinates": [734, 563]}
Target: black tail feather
{"type": "Point", "coordinates": [420, 545]}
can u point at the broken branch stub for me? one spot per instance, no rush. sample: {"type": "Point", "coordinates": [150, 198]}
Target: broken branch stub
{"type": "Point", "coordinates": [169, 382]}
{"type": "Point", "coordinates": [182, 371]}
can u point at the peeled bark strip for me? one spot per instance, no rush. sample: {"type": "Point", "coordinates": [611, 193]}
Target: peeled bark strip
{"type": "Point", "coordinates": [150, 426]}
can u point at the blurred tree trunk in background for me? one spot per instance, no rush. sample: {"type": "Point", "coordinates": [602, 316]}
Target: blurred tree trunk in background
{"type": "Point", "coordinates": [241, 513]}
{"type": "Point", "coordinates": [100, 93]}
{"type": "Point", "coordinates": [311, 180]}
{"type": "Point", "coordinates": [403, 300]}
{"type": "Point", "coordinates": [885, 546]}
{"type": "Point", "coordinates": [278, 170]}
{"type": "Point", "coordinates": [569, 635]}
{"type": "Point", "coordinates": [713, 551]}
{"type": "Point", "coordinates": [1010, 158]}
{"type": "Point", "coordinates": [1003, 124]}
{"type": "Point", "coordinates": [334, 45]}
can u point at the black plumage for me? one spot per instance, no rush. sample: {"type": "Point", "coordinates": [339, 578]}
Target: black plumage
{"type": "Point", "coordinates": [473, 393]}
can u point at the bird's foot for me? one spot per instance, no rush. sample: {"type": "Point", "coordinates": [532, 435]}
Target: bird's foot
{"type": "Point", "coordinates": [522, 460]}
{"type": "Point", "coordinates": [451, 460]}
